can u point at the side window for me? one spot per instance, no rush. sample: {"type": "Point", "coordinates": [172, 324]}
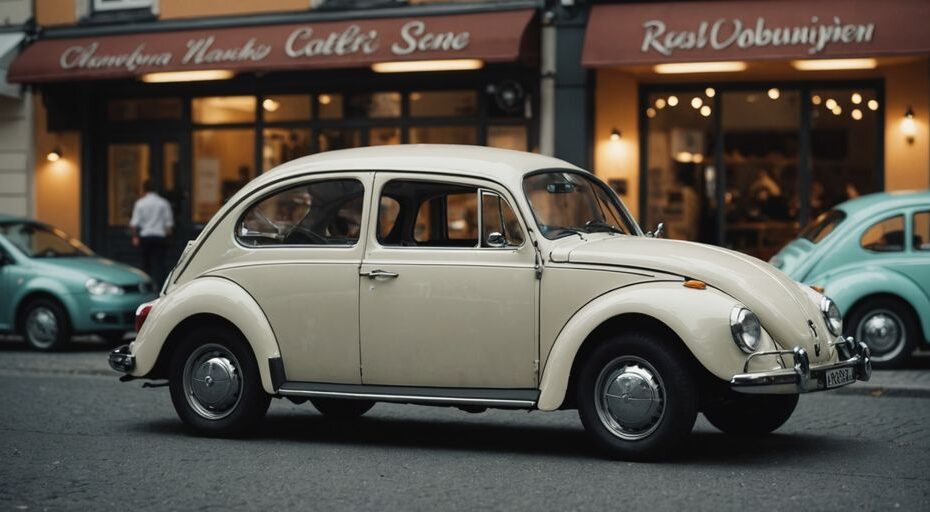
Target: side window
{"type": "Point", "coordinates": [428, 214]}
{"type": "Point", "coordinates": [319, 213]}
{"type": "Point", "coordinates": [922, 231]}
{"type": "Point", "coordinates": [885, 236]}
{"type": "Point", "coordinates": [498, 217]}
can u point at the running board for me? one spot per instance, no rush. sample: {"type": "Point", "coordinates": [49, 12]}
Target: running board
{"type": "Point", "coordinates": [484, 397]}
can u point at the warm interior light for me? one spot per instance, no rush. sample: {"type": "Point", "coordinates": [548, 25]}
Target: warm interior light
{"type": "Point", "coordinates": [833, 64]}
{"type": "Point", "coordinates": [909, 126]}
{"type": "Point", "coordinates": [696, 102]}
{"type": "Point", "coordinates": [831, 103]}
{"type": "Point", "coordinates": [685, 157]}
{"type": "Point", "coordinates": [672, 101]}
{"type": "Point", "coordinates": [856, 98]}
{"type": "Point", "coordinates": [774, 93]}
{"type": "Point", "coordinates": [710, 92]}
{"type": "Point", "coordinates": [705, 111]}
{"type": "Point", "coordinates": [270, 105]}
{"type": "Point", "coordinates": [325, 99]}
{"type": "Point", "coordinates": [873, 104]}
{"type": "Point", "coordinates": [615, 134]}
{"type": "Point", "coordinates": [201, 75]}
{"type": "Point", "coordinates": [856, 114]}
{"type": "Point", "coordinates": [725, 66]}
{"type": "Point", "coordinates": [415, 66]}
{"type": "Point", "coordinates": [815, 99]}
{"type": "Point", "coordinates": [660, 103]}
{"type": "Point", "coordinates": [837, 110]}
{"type": "Point", "coordinates": [54, 155]}
{"type": "Point", "coordinates": [650, 112]}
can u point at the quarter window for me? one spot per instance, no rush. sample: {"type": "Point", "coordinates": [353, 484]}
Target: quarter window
{"type": "Point", "coordinates": [320, 213]}
{"type": "Point", "coordinates": [498, 217]}
{"type": "Point", "coordinates": [885, 236]}
{"type": "Point", "coordinates": [922, 231]}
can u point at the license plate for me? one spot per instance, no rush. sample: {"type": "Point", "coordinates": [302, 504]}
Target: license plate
{"type": "Point", "coordinates": [839, 377]}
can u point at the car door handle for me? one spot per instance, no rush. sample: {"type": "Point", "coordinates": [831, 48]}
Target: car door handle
{"type": "Point", "coordinates": [374, 274]}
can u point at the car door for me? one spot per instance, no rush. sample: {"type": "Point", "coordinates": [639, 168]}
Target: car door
{"type": "Point", "coordinates": [440, 305]}
{"type": "Point", "coordinates": [303, 244]}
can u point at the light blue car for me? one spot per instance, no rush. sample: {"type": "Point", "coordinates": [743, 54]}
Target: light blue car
{"type": "Point", "coordinates": [53, 286]}
{"type": "Point", "coordinates": [871, 255]}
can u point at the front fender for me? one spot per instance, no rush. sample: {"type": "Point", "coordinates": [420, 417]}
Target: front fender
{"type": "Point", "coordinates": [848, 288]}
{"type": "Point", "coordinates": [43, 285]}
{"type": "Point", "coordinates": [699, 317]}
{"type": "Point", "coordinates": [206, 295]}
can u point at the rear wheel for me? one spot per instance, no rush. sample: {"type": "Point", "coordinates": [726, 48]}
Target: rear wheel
{"type": "Point", "coordinates": [636, 396]}
{"type": "Point", "coordinates": [342, 409]}
{"type": "Point", "coordinates": [752, 414]}
{"type": "Point", "coordinates": [215, 385]}
{"type": "Point", "coordinates": [887, 326]}
{"type": "Point", "coordinates": [44, 325]}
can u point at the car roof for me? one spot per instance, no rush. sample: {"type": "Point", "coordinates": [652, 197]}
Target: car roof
{"type": "Point", "coordinates": [873, 204]}
{"type": "Point", "coordinates": [11, 218]}
{"type": "Point", "coordinates": [501, 165]}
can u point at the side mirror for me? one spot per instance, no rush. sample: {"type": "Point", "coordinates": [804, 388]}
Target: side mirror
{"type": "Point", "coordinates": [659, 232]}
{"type": "Point", "coordinates": [497, 240]}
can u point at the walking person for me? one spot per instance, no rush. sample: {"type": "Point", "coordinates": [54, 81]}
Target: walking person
{"type": "Point", "coordinates": [152, 223]}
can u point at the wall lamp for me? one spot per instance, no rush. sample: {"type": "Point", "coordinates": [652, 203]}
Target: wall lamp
{"type": "Point", "coordinates": [54, 155]}
{"type": "Point", "coordinates": [614, 134]}
{"type": "Point", "coordinates": [909, 126]}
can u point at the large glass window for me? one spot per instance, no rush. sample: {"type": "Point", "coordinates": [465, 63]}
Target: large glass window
{"type": "Point", "coordinates": [127, 171]}
{"type": "Point", "coordinates": [443, 103]}
{"type": "Point", "coordinates": [319, 213]}
{"type": "Point", "coordinates": [224, 161]}
{"type": "Point", "coordinates": [282, 145]}
{"type": "Point", "coordinates": [443, 134]}
{"type": "Point", "coordinates": [224, 109]}
{"type": "Point", "coordinates": [144, 109]}
{"type": "Point", "coordinates": [287, 107]}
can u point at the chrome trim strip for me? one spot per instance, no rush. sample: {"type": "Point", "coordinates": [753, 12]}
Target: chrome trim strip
{"type": "Point", "coordinates": [406, 398]}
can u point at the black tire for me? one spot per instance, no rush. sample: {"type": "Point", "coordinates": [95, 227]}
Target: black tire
{"type": "Point", "coordinates": [342, 409]}
{"type": "Point", "coordinates": [860, 323]}
{"type": "Point", "coordinates": [751, 414]}
{"type": "Point", "coordinates": [245, 401]}
{"type": "Point", "coordinates": [44, 324]}
{"type": "Point", "coordinates": [622, 361]}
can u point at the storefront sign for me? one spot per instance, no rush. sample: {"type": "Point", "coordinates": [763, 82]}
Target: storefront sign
{"type": "Point", "coordinates": [650, 33]}
{"type": "Point", "coordinates": [493, 37]}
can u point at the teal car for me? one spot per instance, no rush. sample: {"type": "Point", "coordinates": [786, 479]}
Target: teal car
{"type": "Point", "coordinates": [871, 255]}
{"type": "Point", "coordinates": [53, 286]}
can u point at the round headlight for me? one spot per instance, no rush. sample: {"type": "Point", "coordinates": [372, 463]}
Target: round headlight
{"type": "Point", "coordinates": [832, 315]}
{"type": "Point", "coordinates": [746, 329]}
{"type": "Point", "coordinates": [98, 287]}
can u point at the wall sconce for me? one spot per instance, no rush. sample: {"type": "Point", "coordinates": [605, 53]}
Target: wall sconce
{"type": "Point", "coordinates": [909, 126]}
{"type": "Point", "coordinates": [54, 155]}
{"type": "Point", "coordinates": [614, 134]}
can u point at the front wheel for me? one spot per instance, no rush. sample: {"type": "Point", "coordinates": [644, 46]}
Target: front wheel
{"type": "Point", "coordinates": [887, 327]}
{"type": "Point", "coordinates": [636, 396]}
{"type": "Point", "coordinates": [751, 414]}
{"type": "Point", "coordinates": [44, 325]}
{"type": "Point", "coordinates": [215, 385]}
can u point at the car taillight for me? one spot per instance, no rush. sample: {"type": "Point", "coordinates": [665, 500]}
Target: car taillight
{"type": "Point", "coordinates": [142, 312]}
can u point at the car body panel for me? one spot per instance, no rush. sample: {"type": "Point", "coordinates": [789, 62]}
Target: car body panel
{"type": "Point", "coordinates": [850, 273]}
{"type": "Point", "coordinates": [210, 295]}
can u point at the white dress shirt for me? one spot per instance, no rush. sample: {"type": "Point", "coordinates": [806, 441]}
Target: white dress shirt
{"type": "Point", "coordinates": [151, 215]}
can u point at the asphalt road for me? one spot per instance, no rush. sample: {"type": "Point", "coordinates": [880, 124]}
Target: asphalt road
{"type": "Point", "coordinates": [73, 438]}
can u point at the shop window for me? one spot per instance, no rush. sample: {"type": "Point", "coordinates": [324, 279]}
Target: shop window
{"type": "Point", "coordinates": [282, 145]}
{"type": "Point", "coordinates": [383, 136]}
{"type": "Point", "coordinates": [443, 134]}
{"type": "Point", "coordinates": [845, 124]}
{"type": "Point", "coordinates": [338, 138]}
{"type": "Point", "coordinates": [330, 106]}
{"type": "Point", "coordinates": [144, 109]}
{"type": "Point", "coordinates": [681, 176]}
{"type": "Point", "coordinates": [922, 231]}
{"type": "Point", "coordinates": [443, 103]}
{"type": "Point", "coordinates": [507, 137]}
{"type": "Point", "coordinates": [885, 236]}
{"type": "Point", "coordinates": [224, 161]}
{"type": "Point", "coordinates": [223, 109]}
{"type": "Point", "coordinates": [374, 105]}
{"type": "Point", "coordinates": [498, 217]}
{"type": "Point", "coordinates": [319, 213]}
{"type": "Point", "coordinates": [287, 107]}
{"type": "Point", "coordinates": [429, 214]}
{"type": "Point", "coordinates": [127, 171]}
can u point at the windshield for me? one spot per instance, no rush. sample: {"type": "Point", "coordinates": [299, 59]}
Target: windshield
{"type": "Point", "coordinates": [41, 241]}
{"type": "Point", "coordinates": [823, 225]}
{"type": "Point", "coordinates": [570, 202]}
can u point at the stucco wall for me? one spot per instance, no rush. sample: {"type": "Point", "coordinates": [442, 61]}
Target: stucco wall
{"type": "Point", "coordinates": [16, 156]}
{"type": "Point", "coordinates": [57, 184]}
{"type": "Point", "coordinates": [907, 166]}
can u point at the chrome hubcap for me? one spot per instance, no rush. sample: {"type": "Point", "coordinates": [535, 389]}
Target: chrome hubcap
{"type": "Point", "coordinates": [883, 331]}
{"type": "Point", "coordinates": [630, 398]}
{"type": "Point", "coordinates": [42, 327]}
{"type": "Point", "coordinates": [212, 381]}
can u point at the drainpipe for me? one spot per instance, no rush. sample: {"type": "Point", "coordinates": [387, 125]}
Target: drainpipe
{"type": "Point", "coordinates": [547, 85]}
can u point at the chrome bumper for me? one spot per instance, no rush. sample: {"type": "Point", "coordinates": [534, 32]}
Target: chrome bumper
{"type": "Point", "coordinates": [121, 360]}
{"type": "Point", "coordinates": [803, 378]}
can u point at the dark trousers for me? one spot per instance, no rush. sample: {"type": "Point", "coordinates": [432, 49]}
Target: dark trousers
{"type": "Point", "coordinates": [153, 257]}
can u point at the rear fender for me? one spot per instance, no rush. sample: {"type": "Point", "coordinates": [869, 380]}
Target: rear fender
{"type": "Point", "coordinates": [206, 295]}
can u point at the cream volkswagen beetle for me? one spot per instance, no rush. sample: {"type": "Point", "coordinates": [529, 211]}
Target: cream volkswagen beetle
{"type": "Point", "coordinates": [476, 278]}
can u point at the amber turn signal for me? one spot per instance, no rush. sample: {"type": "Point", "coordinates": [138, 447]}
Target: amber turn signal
{"type": "Point", "coordinates": [694, 283]}
{"type": "Point", "coordinates": [817, 288]}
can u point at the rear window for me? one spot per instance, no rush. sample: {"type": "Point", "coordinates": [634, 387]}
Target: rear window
{"type": "Point", "coordinates": [823, 225]}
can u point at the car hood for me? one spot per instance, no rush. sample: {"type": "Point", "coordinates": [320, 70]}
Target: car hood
{"type": "Point", "coordinates": [93, 267]}
{"type": "Point", "coordinates": [782, 305]}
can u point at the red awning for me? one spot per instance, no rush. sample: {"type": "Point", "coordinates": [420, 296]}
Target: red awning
{"type": "Point", "coordinates": [651, 33]}
{"type": "Point", "coordinates": [492, 37]}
